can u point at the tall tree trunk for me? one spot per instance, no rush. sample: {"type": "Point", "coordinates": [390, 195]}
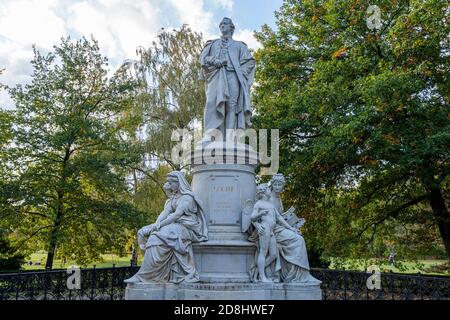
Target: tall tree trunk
{"type": "Point", "coordinates": [53, 238]}
{"type": "Point", "coordinates": [134, 253]}
{"type": "Point", "coordinates": [442, 215]}
{"type": "Point", "coordinates": [51, 250]}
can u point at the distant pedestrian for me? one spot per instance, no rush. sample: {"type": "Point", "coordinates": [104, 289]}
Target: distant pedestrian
{"type": "Point", "coordinates": [392, 258]}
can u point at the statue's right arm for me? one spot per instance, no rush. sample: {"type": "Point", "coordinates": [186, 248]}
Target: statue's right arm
{"type": "Point", "coordinates": [256, 213]}
{"type": "Point", "coordinates": [206, 60]}
{"type": "Point", "coordinates": [145, 231]}
{"type": "Point", "coordinates": [204, 56]}
{"type": "Point", "coordinates": [163, 215]}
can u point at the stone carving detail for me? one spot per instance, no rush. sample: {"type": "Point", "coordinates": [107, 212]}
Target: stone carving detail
{"type": "Point", "coordinates": [277, 185]}
{"type": "Point", "coordinates": [228, 69]}
{"type": "Point", "coordinates": [281, 250]}
{"type": "Point", "coordinates": [168, 242]}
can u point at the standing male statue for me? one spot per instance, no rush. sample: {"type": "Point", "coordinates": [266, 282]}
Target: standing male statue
{"type": "Point", "coordinates": [228, 69]}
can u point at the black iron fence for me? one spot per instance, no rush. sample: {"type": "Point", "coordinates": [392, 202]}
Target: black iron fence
{"type": "Point", "coordinates": [95, 284]}
{"type": "Point", "coordinates": [352, 285]}
{"type": "Point", "coordinates": [107, 284]}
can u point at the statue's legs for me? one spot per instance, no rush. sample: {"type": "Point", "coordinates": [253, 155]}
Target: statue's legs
{"type": "Point", "coordinates": [231, 105]}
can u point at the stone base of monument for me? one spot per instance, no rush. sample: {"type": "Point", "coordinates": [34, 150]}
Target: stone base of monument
{"type": "Point", "coordinates": [223, 178]}
{"type": "Point", "coordinates": [223, 291]}
{"type": "Point", "coordinates": [224, 261]}
{"type": "Point", "coordinates": [225, 190]}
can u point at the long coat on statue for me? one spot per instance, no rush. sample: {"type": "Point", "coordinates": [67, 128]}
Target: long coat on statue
{"type": "Point", "coordinates": [217, 91]}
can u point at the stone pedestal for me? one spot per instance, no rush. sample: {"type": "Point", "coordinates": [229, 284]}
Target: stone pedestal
{"type": "Point", "coordinates": [223, 291]}
{"type": "Point", "coordinates": [224, 190]}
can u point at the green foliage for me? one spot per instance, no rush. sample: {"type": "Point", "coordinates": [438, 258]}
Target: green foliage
{"type": "Point", "coordinates": [173, 97]}
{"type": "Point", "coordinates": [84, 155]}
{"type": "Point", "coordinates": [10, 258]}
{"type": "Point", "coordinates": [364, 122]}
{"type": "Point", "coordinates": [67, 187]}
{"type": "Point", "coordinates": [170, 97]}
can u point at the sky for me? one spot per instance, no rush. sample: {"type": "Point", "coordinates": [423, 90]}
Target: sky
{"type": "Point", "coordinates": [120, 26]}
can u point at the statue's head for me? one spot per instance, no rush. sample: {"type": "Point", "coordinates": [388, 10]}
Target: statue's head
{"type": "Point", "coordinates": [277, 182]}
{"type": "Point", "coordinates": [262, 190]}
{"type": "Point", "coordinates": [172, 184]}
{"type": "Point", "coordinates": [167, 189]}
{"type": "Point", "coordinates": [226, 26]}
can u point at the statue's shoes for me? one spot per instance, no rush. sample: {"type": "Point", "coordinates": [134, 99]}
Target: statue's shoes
{"type": "Point", "coordinates": [191, 279]}
{"type": "Point", "coordinates": [133, 279]}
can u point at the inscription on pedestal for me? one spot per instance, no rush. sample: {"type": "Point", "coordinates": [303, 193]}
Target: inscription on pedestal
{"type": "Point", "coordinates": [224, 201]}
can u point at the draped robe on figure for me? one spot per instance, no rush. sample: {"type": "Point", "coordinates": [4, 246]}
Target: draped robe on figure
{"type": "Point", "coordinates": [291, 248]}
{"type": "Point", "coordinates": [217, 90]}
{"type": "Point", "coordinates": [291, 264]}
{"type": "Point", "coordinates": [168, 251]}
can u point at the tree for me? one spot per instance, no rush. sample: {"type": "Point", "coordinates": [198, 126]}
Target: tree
{"type": "Point", "coordinates": [363, 118]}
{"type": "Point", "coordinates": [10, 258]}
{"type": "Point", "coordinates": [173, 97]}
{"type": "Point", "coordinates": [68, 188]}
{"type": "Point", "coordinates": [170, 97]}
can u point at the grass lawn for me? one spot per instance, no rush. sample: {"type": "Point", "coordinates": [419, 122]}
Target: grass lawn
{"type": "Point", "coordinates": [108, 260]}
{"type": "Point", "coordinates": [431, 266]}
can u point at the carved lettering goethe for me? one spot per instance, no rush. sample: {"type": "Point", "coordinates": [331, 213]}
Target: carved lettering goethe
{"type": "Point", "coordinates": [223, 189]}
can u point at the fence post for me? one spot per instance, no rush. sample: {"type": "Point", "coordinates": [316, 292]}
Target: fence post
{"type": "Point", "coordinates": [113, 273]}
{"type": "Point", "coordinates": [93, 286]}
{"type": "Point", "coordinates": [419, 277]}
{"type": "Point", "coordinates": [391, 285]}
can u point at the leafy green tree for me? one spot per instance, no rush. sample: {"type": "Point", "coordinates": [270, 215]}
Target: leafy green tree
{"type": "Point", "coordinates": [173, 96]}
{"type": "Point", "coordinates": [170, 97]}
{"type": "Point", "coordinates": [10, 257]}
{"type": "Point", "coordinates": [68, 188]}
{"type": "Point", "coordinates": [363, 117]}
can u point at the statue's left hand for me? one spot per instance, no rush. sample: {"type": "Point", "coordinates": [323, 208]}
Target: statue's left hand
{"type": "Point", "coordinates": [145, 231]}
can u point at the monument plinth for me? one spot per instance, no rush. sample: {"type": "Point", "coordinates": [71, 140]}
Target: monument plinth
{"type": "Point", "coordinates": [225, 188]}
{"type": "Point", "coordinates": [223, 291]}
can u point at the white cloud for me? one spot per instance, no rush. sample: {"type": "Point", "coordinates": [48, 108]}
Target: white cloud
{"type": "Point", "coordinates": [120, 26]}
{"type": "Point", "coordinates": [226, 4]}
{"type": "Point", "coordinates": [22, 24]}
{"type": "Point", "coordinates": [31, 21]}
{"type": "Point", "coordinates": [246, 35]}
{"type": "Point", "coordinates": [192, 12]}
